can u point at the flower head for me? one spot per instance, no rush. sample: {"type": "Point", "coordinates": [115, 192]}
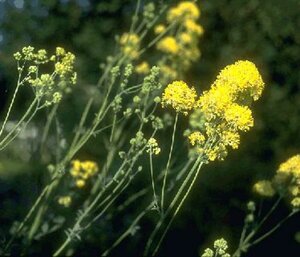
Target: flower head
{"type": "Point", "coordinates": [185, 9]}
{"type": "Point", "coordinates": [130, 44]}
{"type": "Point", "coordinates": [290, 167]}
{"type": "Point", "coordinates": [193, 27]}
{"type": "Point", "coordinates": [264, 188]}
{"type": "Point", "coordinates": [196, 138]}
{"type": "Point", "coordinates": [65, 200]}
{"type": "Point", "coordinates": [180, 96]}
{"type": "Point", "coordinates": [159, 29]}
{"type": "Point", "coordinates": [242, 78]}
{"type": "Point", "coordinates": [82, 171]}
{"type": "Point", "coordinates": [152, 146]}
{"type": "Point", "coordinates": [142, 68]}
{"type": "Point", "coordinates": [239, 117]}
{"type": "Point", "coordinates": [225, 107]}
{"type": "Point", "coordinates": [168, 45]}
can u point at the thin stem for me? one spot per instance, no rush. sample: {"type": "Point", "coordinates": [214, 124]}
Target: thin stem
{"type": "Point", "coordinates": [48, 124]}
{"type": "Point", "coordinates": [128, 231]}
{"type": "Point", "coordinates": [82, 121]}
{"type": "Point", "coordinates": [245, 240]}
{"type": "Point", "coordinates": [278, 225]}
{"type": "Point", "coordinates": [160, 222]}
{"type": "Point", "coordinates": [168, 164]}
{"type": "Point", "coordinates": [7, 138]}
{"type": "Point", "coordinates": [27, 217]}
{"type": "Point", "coordinates": [178, 208]}
{"type": "Point", "coordinates": [11, 104]}
{"type": "Point", "coordinates": [275, 205]}
{"type": "Point", "coordinates": [113, 128]}
{"type": "Point", "coordinates": [62, 247]}
{"type": "Point", "coordinates": [152, 176]}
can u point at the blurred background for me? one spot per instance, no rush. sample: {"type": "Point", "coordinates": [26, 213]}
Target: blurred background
{"type": "Point", "coordinates": [263, 31]}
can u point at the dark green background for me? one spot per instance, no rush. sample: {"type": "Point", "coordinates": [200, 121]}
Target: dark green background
{"type": "Point", "coordinates": [263, 31]}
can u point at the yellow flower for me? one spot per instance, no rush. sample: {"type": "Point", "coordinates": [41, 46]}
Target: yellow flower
{"type": "Point", "coordinates": [291, 167]}
{"type": "Point", "coordinates": [243, 78]}
{"type": "Point", "coordinates": [65, 66]}
{"type": "Point", "coordinates": [185, 38]}
{"type": "Point", "coordinates": [130, 45]}
{"type": "Point", "coordinates": [142, 68]}
{"type": "Point", "coordinates": [179, 96]}
{"type": "Point", "coordinates": [129, 39]}
{"type": "Point", "coordinates": [65, 201]}
{"type": "Point", "coordinates": [168, 45]}
{"type": "Point", "coordinates": [264, 188]}
{"type": "Point", "coordinates": [231, 138]}
{"type": "Point", "coordinates": [288, 178]}
{"type": "Point", "coordinates": [82, 171]}
{"type": "Point", "coordinates": [224, 108]}
{"type": "Point", "coordinates": [294, 190]}
{"type": "Point", "coordinates": [196, 138]}
{"type": "Point", "coordinates": [152, 146]}
{"type": "Point", "coordinates": [214, 102]}
{"type": "Point", "coordinates": [80, 183]}
{"type": "Point", "coordinates": [296, 202]}
{"type": "Point", "coordinates": [159, 29]}
{"type": "Point", "coordinates": [193, 27]}
{"type": "Point", "coordinates": [60, 51]}
{"type": "Point", "coordinates": [218, 152]}
{"type": "Point", "coordinates": [185, 9]}
{"type": "Point", "coordinates": [239, 117]}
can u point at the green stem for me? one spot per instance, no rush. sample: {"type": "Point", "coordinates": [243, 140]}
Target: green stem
{"type": "Point", "coordinates": [113, 128]}
{"type": "Point", "coordinates": [168, 164]}
{"type": "Point", "coordinates": [27, 217]}
{"type": "Point", "coordinates": [177, 209]}
{"type": "Point", "coordinates": [174, 201]}
{"type": "Point", "coordinates": [278, 225]}
{"type": "Point", "coordinates": [48, 124]}
{"type": "Point", "coordinates": [81, 122]}
{"type": "Point", "coordinates": [128, 231]}
{"type": "Point", "coordinates": [11, 104]}
{"type": "Point", "coordinates": [152, 176]}
{"type": "Point", "coordinates": [42, 209]}
{"type": "Point", "coordinates": [9, 137]}
{"type": "Point", "coordinates": [244, 243]}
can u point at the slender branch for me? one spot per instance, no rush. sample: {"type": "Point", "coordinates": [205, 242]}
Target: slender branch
{"type": "Point", "coordinates": [168, 164]}
{"type": "Point", "coordinates": [278, 225]}
{"type": "Point", "coordinates": [178, 208]}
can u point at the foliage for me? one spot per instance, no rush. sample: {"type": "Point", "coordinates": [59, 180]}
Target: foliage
{"type": "Point", "coordinates": [114, 63]}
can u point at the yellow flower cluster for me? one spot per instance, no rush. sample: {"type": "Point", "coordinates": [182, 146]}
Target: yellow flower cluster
{"type": "Point", "coordinates": [290, 167]}
{"type": "Point", "coordinates": [286, 182]}
{"type": "Point", "coordinates": [196, 138]}
{"type": "Point", "coordinates": [130, 45]}
{"type": "Point", "coordinates": [168, 45]}
{"type": "Point", "coordinates": [184, 10]}
{"type": "Point", "coordinates": [288, 174]}
{"type": "Point", "coordinates": [82, 171]}
{"type": "Point", "coordinates": [193, 28]}
{"type": "Point", "coordinates": [159, 29]}
{"type": "Point", "coordinates": [225, 107]}
{"type": "Point", "coordinates": [244, 80]}
{"type": "Point", "coordinates": [64, 66]}
{"type": "Point", "coordinates": [48, 87]}
{"type": "Point", "coordinates": [65, 201]}
{"type": "Point", "coordinates": [142, 68]}
{"type": "Point", "coordinates": [180, 96]}
{"type": "Point", "coordinates": [180, 44]}
{"type": "Point", "coordinates": [152, 146]}
{"type": "Point", "coordinates": [264, 188]}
